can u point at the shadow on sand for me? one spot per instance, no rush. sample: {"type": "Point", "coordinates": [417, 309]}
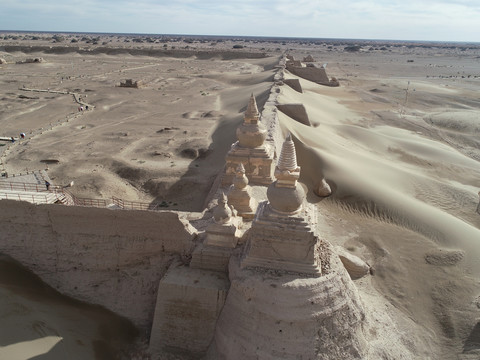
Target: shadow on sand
{"type": "Point", "coordinates": [194, 186]}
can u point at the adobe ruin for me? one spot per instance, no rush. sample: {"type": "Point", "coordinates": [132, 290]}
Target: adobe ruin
{"type": "Point", "coordinates": [129, 83]}
{"type": "Point", "coordinates": [310, 72]}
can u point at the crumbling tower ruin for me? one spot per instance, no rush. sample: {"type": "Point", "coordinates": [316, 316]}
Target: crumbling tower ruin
{"type": "Point", "coordinates": [250, 150]}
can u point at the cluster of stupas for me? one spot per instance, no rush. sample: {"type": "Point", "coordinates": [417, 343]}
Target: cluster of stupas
{"type": "Point", "coordinates": [251, 160]}
{"type": "Point", "coordinates": [307, 296]}
{"type": "Point", "coordinates": [282, 235]}
{"type": "Point", "coordinates": [295, 309]}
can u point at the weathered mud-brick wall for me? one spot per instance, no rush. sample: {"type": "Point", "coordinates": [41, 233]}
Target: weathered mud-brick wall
{"type": "Point", "coordinates": [318, 75]}
{"type": "Point", "coordinates": [114, 258]}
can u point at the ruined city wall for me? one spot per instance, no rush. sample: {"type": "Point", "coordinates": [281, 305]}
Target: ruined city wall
{"type": "Point", "coordinates": [114, 258]}
{"type": "Point", "coordinates": [311, 73]}
{"type": "Point", "coordinates": [269, 114]}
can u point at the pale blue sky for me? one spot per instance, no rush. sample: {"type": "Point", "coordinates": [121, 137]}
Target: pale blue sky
{"type": "Point", "coordinates": [441, 20]}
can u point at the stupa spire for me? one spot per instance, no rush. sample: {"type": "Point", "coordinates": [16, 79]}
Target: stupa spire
{"type": "Point", "coordinates": [288, 156]}
{"type": "Point", "coordinates": [286, 195]}
{"type": "Point", "coordinates": [252, 114]}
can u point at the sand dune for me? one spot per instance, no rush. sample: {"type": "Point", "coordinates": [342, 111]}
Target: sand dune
{"type": "Point", "coordinates": [402, 198]}
{"type": "Point", "coordinates": [37, 321]}
{"type": "Point", "coordinates": [29, 349]}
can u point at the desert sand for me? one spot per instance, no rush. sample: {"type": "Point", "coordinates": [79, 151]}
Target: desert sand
{"type": "Point", "coordinates": [39, 322]}
{"type": "Point", "coordinates": [398, 142]}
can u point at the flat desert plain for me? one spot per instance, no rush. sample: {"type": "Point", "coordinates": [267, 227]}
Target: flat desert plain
{"type": "Point", "coordinates": [398, 141]}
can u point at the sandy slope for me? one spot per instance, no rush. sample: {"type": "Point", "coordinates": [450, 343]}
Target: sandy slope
{"type": "Point", "coordinates": [404, 199]}
{"type": "Point", "coordinates": [37, 320]}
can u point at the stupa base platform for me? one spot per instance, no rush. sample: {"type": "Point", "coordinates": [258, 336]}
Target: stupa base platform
{"type": "Point", "coordinates": [284, 242]}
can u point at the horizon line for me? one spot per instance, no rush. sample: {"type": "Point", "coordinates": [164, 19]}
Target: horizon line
{"type": "Point", "coordinates": [236, 36]}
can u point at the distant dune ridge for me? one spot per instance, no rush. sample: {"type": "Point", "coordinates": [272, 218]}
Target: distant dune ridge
{"type": "Point", "coordinates": [397, 143]}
